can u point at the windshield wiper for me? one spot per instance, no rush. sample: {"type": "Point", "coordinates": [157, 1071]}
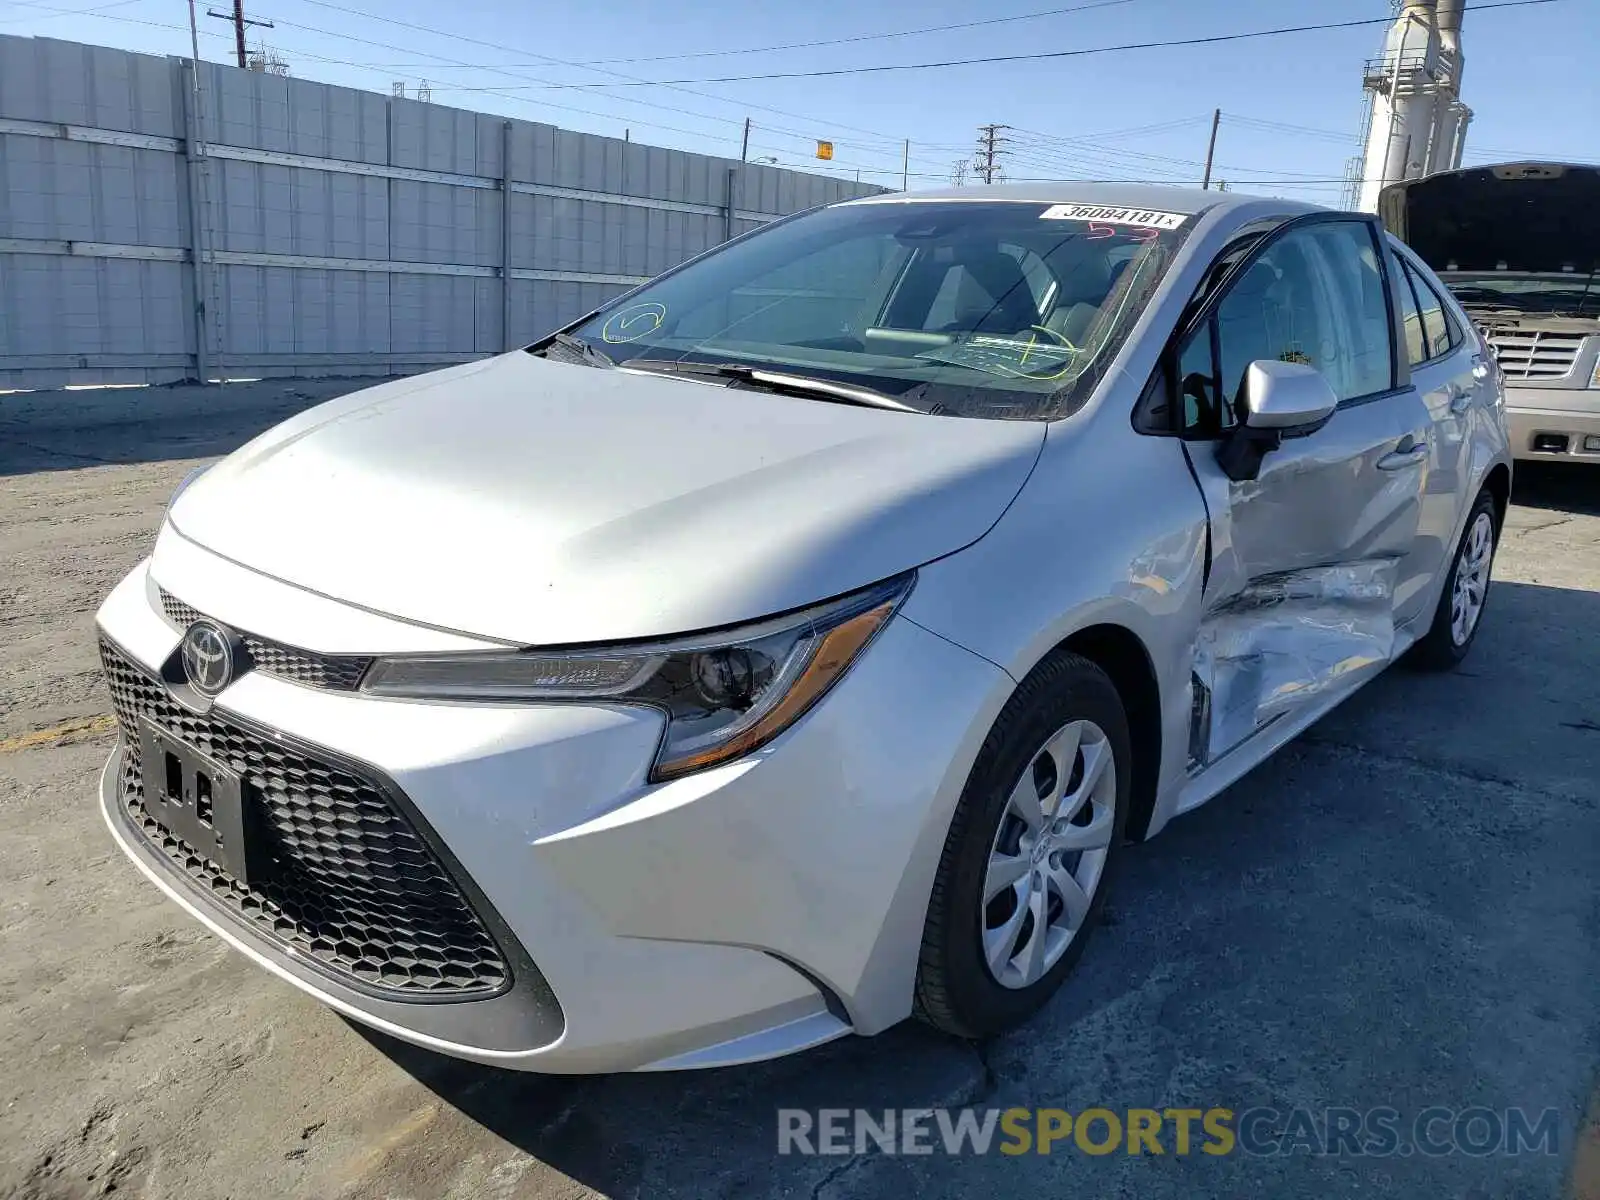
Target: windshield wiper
{"type": "Point", "coordinates": [589, 354]}
{"type": "Point", "coordinates": [777, 381]}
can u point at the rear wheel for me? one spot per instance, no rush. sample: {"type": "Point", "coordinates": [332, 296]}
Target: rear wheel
{"type": "Point", "coordinates": [1029, 854]}
{"type": "Point", "coordinates": [1460, 611]}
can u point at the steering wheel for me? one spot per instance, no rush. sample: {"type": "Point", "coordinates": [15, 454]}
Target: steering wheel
{"type": "Point", "coordinates": [1057, 340]}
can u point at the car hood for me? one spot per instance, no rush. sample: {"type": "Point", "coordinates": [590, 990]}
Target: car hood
{"type": "Point", "coordinates": [541, 503]}
{"type": "Point", "coordinates": [1524, 217]}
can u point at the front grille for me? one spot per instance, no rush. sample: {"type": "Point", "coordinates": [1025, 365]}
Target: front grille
{"type": "Point", "coordinates": [347, 881]}
{"type": "Point", "coordinates": [338, 672]}
{"type": "Point", "coordinates": [1534, 353]}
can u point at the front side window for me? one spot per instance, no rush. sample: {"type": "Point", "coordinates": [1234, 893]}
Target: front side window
{"type": "Point", "coordinates": [998, 309]}
{"type": "Point", "coordinates": [1314, 296]}
{"type": "Point", "coordinates": [1205, 411]}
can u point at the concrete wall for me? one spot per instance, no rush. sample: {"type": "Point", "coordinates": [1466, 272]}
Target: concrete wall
{"type": "Point", "coordinates": [338, 231]}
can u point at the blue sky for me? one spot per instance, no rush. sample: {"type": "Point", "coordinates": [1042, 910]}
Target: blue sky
{"type": "Point", "coordinates": [1291, 104]}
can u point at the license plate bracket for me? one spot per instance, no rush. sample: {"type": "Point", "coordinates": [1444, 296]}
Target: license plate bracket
{"type": "Point", "coordinates": [197, 799]}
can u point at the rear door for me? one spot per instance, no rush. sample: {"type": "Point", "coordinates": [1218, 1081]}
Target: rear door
{"type": "Point", "coordinates": [1301, 596]}
{"type": "Point", "coordinates": [1452, 379]}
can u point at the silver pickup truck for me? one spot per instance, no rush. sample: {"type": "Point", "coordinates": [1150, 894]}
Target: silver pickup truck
{"type": "Point", "coordinates": [1519, 245]}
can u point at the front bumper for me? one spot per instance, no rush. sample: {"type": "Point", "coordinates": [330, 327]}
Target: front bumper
{"type": "Point", "coordinates": [751, 910]}
{"type": "Point", "coordinates": [1553, 424]}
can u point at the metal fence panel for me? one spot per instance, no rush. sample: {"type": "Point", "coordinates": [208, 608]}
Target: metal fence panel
{"type": "Point", "coordinates": [317, 229]}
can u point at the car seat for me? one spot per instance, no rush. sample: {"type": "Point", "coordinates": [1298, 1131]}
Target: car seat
{"type": "Point", "coordinates": [1002, 302]}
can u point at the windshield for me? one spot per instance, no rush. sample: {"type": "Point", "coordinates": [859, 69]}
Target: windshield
{"type": "Point", "coordinates": [1567, 294]}
{"type": "Point", "coordinates": [967, 308]}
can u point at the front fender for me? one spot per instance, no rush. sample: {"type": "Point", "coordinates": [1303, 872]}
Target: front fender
{"type": "Point", "coordinates": [1110, 529]}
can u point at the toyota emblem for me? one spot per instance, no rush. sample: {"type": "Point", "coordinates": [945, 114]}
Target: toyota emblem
{"type": "Point", "coordinates": [209, 655]}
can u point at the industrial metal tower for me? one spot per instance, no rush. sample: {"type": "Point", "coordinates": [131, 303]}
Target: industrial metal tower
{"type": "Point", "coordinates": [1416, 124]}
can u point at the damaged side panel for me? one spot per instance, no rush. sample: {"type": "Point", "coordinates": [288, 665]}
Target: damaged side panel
{"type": "Point", "coordinates": [1300, 607]}
{"type": "Point", "coordinates": [1284, 641]}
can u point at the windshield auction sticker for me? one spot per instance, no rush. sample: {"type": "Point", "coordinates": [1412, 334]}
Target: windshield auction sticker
{"type": "Point", "coordinates": [1144, 218]}
{"type": "Point", "coordinates": [633, 322]}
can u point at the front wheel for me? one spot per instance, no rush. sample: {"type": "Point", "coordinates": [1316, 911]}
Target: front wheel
{"type": "Point", "coordinates": [1460, 611]}
{"type": "Point", "coordinates": [1029, 853]}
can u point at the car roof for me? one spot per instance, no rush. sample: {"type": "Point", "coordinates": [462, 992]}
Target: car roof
{"type": "Point", "coordinates": [1120, 195]}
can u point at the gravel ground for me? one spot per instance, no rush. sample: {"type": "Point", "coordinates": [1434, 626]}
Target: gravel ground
{"type": "Point", "coordinates": [1399, 909]}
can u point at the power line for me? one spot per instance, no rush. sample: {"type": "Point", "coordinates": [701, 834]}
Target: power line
{"type": "Point", "coordinates": [500, 92]}
{"type": "Point", "coordinates": [1078, 163]}
{"type": "Point", "coordinates": [52, 12]}
{"type": "Point", "coordinates": [523, 99]}
{"type": "Point", "coordinates": [1209, 40]}
{"type": "Point", "coordinates": [1284, 127]}
{"type": "Point", "coordinates": [625, 80]}
{"type": "Point", "coordinates": [840, 41]}
{"type": "Point", "coordinates": [1147, 181]}
{"type": "Point", "coordinates": [361, 66]}
{"type": "Point", "coordinates": [1162, 158]}
{"type": "Point", "coordinates": [863, 37]}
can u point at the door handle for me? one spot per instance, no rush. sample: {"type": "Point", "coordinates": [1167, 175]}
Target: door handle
{"type": "Point", "coordinates": [1411, 452]}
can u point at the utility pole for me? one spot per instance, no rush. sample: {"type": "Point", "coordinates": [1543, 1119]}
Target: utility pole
{"type": "Point", "coordinates": [1211, 150]}
{"type": "Point", "coordinates": [990, 143]}
{"type": "Point", "coordinates": [239, 22]}
{"type": "Point", "coordinates": [905, 166]}
{"type": "Point", "coordinates": [744, 150]}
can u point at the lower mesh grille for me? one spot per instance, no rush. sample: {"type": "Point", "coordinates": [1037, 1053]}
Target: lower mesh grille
{"type": "Point", "coordinates": [348, 882]}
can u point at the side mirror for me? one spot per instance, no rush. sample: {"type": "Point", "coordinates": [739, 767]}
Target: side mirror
{"type": "Point", "coordinates": [1285, 396]}
{"type": "Point", "coordinates": [1281, 399]}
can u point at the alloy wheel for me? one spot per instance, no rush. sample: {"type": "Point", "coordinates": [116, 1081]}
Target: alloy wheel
{"type": "Point", "coordinates": [1048, 855]}
{"type": "Point", "coordinates": [1471, 583]}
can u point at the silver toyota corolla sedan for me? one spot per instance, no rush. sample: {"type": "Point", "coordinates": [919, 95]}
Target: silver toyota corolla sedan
{"type": "Point", "coordinates": [796, 643]}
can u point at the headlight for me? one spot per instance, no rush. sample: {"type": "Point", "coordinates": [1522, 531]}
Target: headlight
{"type": "Point", "coordinates": [724, 694]}
{"type": "Point", "coordinates": [1594, 380]}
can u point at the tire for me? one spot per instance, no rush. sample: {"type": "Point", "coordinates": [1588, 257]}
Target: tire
{"type": "Point", "coordinates": [1445, 644]}
{"type": "Point", "coordinates": [957, 989]}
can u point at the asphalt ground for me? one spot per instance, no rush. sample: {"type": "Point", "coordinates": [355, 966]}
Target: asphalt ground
{"type": "Point", "coordinates": [1398, 912]}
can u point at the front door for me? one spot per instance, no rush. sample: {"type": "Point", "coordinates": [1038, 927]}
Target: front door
{"type": "Point", "coordinates": [1301, 597]}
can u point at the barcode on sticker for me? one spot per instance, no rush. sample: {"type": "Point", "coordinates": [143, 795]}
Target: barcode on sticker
{"type": "Point", "coordinates": [1145, 218]}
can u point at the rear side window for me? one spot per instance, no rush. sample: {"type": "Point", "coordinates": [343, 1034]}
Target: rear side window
{"type": "Point", "coordinates": [1439, 331]}
{"type": "Point", "coordinates": [1411, 317]}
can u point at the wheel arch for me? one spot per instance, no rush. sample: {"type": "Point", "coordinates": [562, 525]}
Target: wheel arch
{"type": "Point", "coordinates": [1498, 484]}
{"type": "Point", "coordinates": [1122, 654]}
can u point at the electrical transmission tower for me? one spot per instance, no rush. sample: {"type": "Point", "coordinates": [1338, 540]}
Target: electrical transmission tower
{"type": "Point", "coordinates": [986, 163]}
{"type": "Point", "coordinates": [264, 60]}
